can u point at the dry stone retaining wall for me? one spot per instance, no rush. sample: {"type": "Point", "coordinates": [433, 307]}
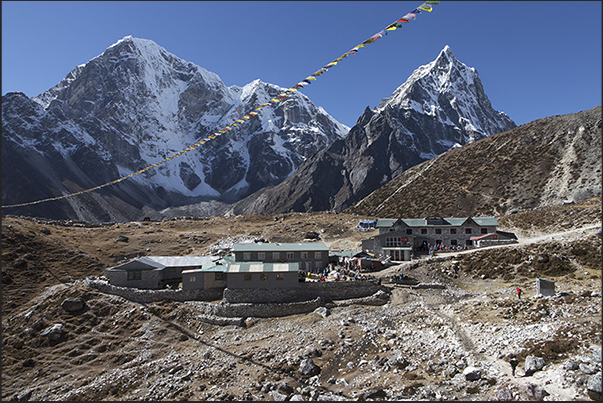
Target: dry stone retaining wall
{"type": "Point", "coordinates": [146, 296]}
{"type": "Point", "coordinates": [335, 290]}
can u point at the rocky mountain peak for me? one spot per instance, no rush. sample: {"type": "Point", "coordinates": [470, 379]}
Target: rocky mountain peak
{"type": "Point", "coordinates": [441, 106]}
{"type": "Point", "coordinates": [136, 104]}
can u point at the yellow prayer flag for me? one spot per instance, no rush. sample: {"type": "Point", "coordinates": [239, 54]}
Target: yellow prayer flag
{"type": "Point", "coordinates": [425, 7]}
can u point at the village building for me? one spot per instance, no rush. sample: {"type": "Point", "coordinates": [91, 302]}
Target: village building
{"type": "Point", "coordinates": [251, 265]}
{"type": "Point", "coordinates": [211, 276]}
{"type": "Point", "coordinates": [311, 256]}
{"type": "Point", "coordinates": [228, 273]}
{"type": "Point", "coordinates": [364, 261]}
{"type": "Point", "coordinates": [155, 272]}
{"type": "Point", "coordinates": [494, 238]}
{"type": "Point", "coordinates": [399, 238]}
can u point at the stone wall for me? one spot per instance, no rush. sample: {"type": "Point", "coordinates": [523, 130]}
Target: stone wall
{"type": "Point", "coordinates": [255, 310]}
{"type": "Point", "coordinates": [335, 290]}
{"type": "Point", "coordinates": [145, 296]}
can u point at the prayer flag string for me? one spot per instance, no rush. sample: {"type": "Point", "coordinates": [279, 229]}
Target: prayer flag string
{"type": "Point", "coordinates": [427, 6]}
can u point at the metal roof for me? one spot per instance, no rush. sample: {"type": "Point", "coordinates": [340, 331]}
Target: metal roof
{"type": "Point", "coordinates": [451, 221]}
{"type": "Point", "coordinates": [259, 267]}
{"type": "Point", "coordinates": [386, 222]}
{"type": "Point", "coordinates": [212, 268]}
{"type": "Point", "coordinates": [161, 262]}
{"type": "Point", "coordinates": [181, 261]}
{"type": "Point", "coordinates": [278, 247]}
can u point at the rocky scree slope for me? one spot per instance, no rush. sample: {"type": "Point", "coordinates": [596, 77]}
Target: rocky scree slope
{"type": "Point", "coordinates": [547, 162]}
{"type": "Point", "coordinates": [441, 106]}
{"type": "Point", "coordinates": [135, 105]}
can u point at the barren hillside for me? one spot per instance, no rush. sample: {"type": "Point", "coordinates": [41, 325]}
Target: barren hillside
{"type": "Point", "coordinates": [543, 163]}
{"type": "Point", "coordinates": [416, 346]}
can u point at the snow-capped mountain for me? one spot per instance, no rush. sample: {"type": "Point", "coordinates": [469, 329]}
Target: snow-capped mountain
{"type": "Point", "coordinates": [135, 105]}
{"type": "Point", "coordinates": [441, 106]}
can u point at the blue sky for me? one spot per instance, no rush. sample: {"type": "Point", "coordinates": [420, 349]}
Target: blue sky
{"type": "Point", "coordinates": [535, 59]}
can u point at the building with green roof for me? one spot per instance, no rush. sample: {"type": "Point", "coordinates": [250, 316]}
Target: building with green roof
{"type": "Point", "coordinates": [311, 256]}
{"type": "Point", "coordinates": [399, 237]}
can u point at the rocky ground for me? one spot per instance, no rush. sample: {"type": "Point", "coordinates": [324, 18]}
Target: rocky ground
{"type": "Point", "coordinates": [449, 341]}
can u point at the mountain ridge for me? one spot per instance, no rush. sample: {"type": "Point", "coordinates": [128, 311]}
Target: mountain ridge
{"type": "Point", "coordinates": [136, 104]}
{"type": "Point", "coordinates": [423, 118]}
{"type": "Point", "coordinates": [549, 161]}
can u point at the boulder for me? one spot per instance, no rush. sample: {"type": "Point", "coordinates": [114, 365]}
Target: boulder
{"type": "Point", "coordinates": [25, 394]}
{"type": "Point", "coordinates": [535, 392]}
{"type": "Point", "coordinates": [73, 304]}
{"type": "Point", "coordinates": [504, 394]}
{"type": "Point", "coordinates": [593, 382]}
{"type": "Point", "coordinates": [570, 365]}
{"type": "Point", "coordinates": [53, 332]}
{"type": "Point", "coordinates": [322, 311]}
{"type": "Point", "coordinates": [596, 355]}
{"type": "Point", "coordinates": [373, 394]}
{"type": "Point", "coordinates": [588, 369]}
{"type": "Point", "coordinates": [278, 397]}
{"type": "Point", "coordinates": [283, 387]}
{"type": "Point", "coordinates": [312, 352]}
{"type": "Point", "coordinates": [472, 373]}
{"type": "Point", "coordinates": [307, 367]}
{"type": "Point", "coordinates": [533, 364]}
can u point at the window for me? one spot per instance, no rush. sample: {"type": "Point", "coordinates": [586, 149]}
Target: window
{"type": "Point", "coordinates": [246, 256]}
{"type": "Point", "coordinates": [453, 230]}
{"type": "Point", "coordinates": [408, 231]}
{"type": "Point", "coordinates": [469, 242]}
{"type": "Point", "coordinates": [263, 277]}
{"type": "Point", "coordinates": [393, 241]}
{"type": "Point", "coordinates": [484, 230]}
{"type": "Point", "coordinates": [192, 279]}
{"type": "Point", "coordinates": [423, 231]}
{"type": "Point", "coordinates": [318, 265]}
{"type": "Point", "coordinates": [220, 276]}
{"type": "Point", "coordinates": [261, 255]}
{"type": "Point", "coordinates": [276, 255]}
{"type": "Point", "coordinates": [453, 242]}
{"type": "Point", "coordinates": [247, 277]}
{"type": "Point", "coordinates": [134, 275]}
{"type": "Point", "coordinates": [304, 255]}
{"type": "Point", "coordinates": [438, 242]}
{"type": "Point", "coordinates": [467, 230]}
{"type": "Point", "coordinates": [279, 276]}
{"type": "Point", "coordinates": [317, 255]}
{"type": "Point", "coordinates": [290, 255]}
{"type": "Point", "coordinates": [438, 230]}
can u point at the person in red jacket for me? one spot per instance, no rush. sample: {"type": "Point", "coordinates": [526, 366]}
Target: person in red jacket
{"type": "Point", "coordinates": [518, 292]}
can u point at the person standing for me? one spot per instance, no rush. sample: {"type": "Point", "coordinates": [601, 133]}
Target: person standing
{"type": "Point", "coordinates": [513, 361]}
{"type": "Point", "coordinates": [518, 292]}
